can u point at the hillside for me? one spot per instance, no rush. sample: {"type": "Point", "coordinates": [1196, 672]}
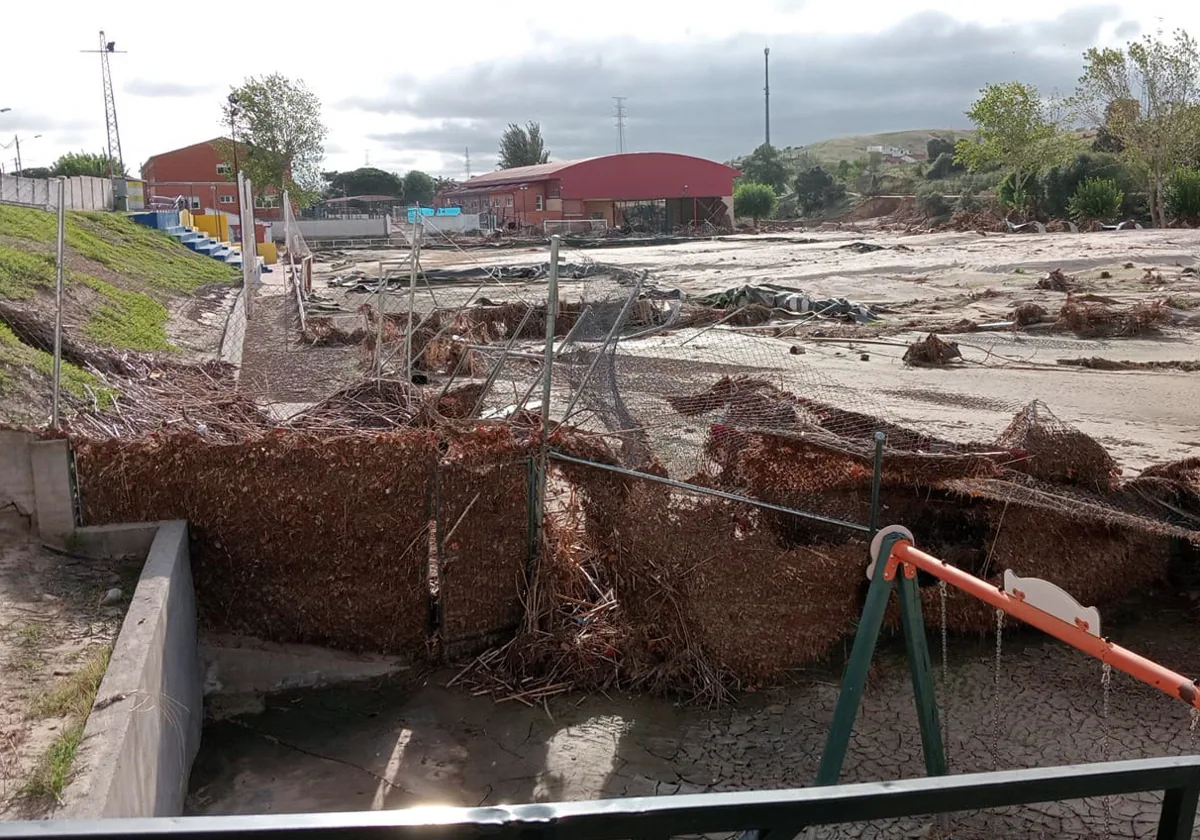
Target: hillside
{"type": "Point", "coordinates": [855, 146]}
{"type": "Point", "coordinates": [127, 288]}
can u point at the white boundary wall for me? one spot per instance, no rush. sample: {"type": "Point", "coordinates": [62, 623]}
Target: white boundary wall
{"type": "Point", "coordinates": [82, 192]}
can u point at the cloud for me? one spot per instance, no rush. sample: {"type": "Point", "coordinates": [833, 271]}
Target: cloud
{"type": "Point", "coordinates": [706, 98]}
{"type": "Point", "coordinates": [152, 88]}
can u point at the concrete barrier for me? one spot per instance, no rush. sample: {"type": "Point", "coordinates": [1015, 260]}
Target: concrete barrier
{"type": "Point", "coordinates": [16, 475]}
{"type": "Point", "coordinates": [144, 729]}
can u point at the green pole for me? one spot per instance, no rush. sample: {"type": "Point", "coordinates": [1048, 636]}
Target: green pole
{"type": "Point", "coordinates": [921, 669]}
{"type": "Point", "coordinates": [855, 679]}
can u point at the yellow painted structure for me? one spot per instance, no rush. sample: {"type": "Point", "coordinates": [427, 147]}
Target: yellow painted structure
{"type": "Point", "coordinates": [268, 252]}
{"type": "Point", "coordinates": [214, 225]}
{"type": "Point", "coordinates": [185, 218]}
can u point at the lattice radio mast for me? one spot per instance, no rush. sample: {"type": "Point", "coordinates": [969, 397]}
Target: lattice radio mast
{"type": "Point", "coordinates": [467, 156]}
{"type": "Point", "coordinates": [620, 100]}
{"type": "Point", "coordinates": [116, 163]}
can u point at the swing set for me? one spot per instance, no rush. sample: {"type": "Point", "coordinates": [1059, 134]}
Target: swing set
{"type": "Point", "coordinates": [895, 559]}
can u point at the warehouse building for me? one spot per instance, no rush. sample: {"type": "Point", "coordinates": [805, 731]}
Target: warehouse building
{"type": "Point", "coordinates": [655, 191]}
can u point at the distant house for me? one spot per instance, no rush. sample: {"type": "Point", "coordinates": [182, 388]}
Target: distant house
{"type": "Point", "coordinates": [203, 179]}
{"type": "Point", "coordinates": [888, 151]}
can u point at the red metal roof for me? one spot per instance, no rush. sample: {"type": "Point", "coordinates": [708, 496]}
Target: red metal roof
{"type": "Point", "coordinates": [537, 172]}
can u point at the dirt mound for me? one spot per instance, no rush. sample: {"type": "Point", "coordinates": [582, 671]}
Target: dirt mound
{"type": "Point", "coordinates": [1029, 313]}
{"type": "Point", "coordinates": [875, 207]}
{"type": "Point", "coordinates": [981, 222]}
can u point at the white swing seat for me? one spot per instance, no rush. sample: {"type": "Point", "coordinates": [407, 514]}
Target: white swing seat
{"type": "Point", "coordinates": [1053, 599]}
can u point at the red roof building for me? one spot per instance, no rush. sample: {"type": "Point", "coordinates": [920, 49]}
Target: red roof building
{"type": "Point", "coordinates": [672, 189]}
{"type": "Point", "coordinates": [203, 178]}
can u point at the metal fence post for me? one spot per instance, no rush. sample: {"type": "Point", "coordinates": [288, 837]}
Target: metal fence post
{"type": "Point", "coordinates": [58, 301]}
{"type": "Point", "coordinates": [547, 376]}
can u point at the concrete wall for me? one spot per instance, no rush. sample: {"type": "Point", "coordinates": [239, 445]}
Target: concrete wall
{"type": "Point", "coordinates": [335, 228]}
{"type": "Point", "coordinates": [16, 475]}
{"type": "Point", "coordinates": [144, 730]}
{"type": "Point", "coordinates": [82, 193]}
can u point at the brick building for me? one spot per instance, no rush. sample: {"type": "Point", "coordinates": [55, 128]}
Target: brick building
{"type": "Point", "coordinates": [200, 175]}
{"type": "Point", "coordinates": [669, 189]}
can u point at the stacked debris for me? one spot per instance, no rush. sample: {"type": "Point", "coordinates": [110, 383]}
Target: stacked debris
{"type": "Point", "coordinates": [1057, 281]}
{"type": "Point", "coordinates": [931, 352]}
{"type": "Point", "coordinates": [1027, 314]}
{"type": "Point", "coordinates": [1057, 452]}
{"type": "Point", "coordinates": [1091, 316]}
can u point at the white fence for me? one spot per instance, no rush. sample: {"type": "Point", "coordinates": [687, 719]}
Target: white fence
{"type": "Point", "coordinates": [461, 223]}
{"type": "Point", "coordinates": [82, 193]}
{"type": "Point", "coordinates": [334, 228]}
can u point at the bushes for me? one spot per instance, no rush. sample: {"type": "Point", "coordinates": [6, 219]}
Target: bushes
{"type": "Point", "coordinates": [1061, 182]}
{"type": "Point", "coordinates": [931, 202]}
{"type": "Point", "coordinates": [1182, 195]}
{"type": "Point", "coordinates": [817, 191]}
{"type": "Point", "coordinates": [757, 201]}
{"type": "Point", "coordinates": [1096, 199]}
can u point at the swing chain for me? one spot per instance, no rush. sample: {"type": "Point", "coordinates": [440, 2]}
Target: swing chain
{"type": "Point", "coordinates": [946, 678]}
{"type": "Point", "coordinates": [1106, 684]}
{"type": "Point", "coordinates": [1192, 730]}
{"type": "Point", "coordinates": [996, 690]}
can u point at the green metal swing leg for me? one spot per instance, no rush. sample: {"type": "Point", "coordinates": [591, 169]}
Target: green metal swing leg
{"type": "Point", "coordinates": [855, 679]}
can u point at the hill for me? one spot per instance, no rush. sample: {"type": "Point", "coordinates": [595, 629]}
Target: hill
{"type": "Point", "coordinates": [855, 146]}
{"type": "Point", "coordinates": [127, 288]}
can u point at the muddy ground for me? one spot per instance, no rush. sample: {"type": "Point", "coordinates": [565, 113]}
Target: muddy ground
{"type": "Point", "coordinates": [918, 284]}
{"type": "Point", "coordinates": [52, 621]}
{"type": "Point", "coordinates": [393, 745]}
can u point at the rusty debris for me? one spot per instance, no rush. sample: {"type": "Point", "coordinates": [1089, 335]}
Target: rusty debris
{"type": "Point", "coordinates": [1058, 281]}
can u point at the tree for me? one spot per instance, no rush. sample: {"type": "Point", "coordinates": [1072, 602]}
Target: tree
{"type": "Point", "coordinates": [817, 191]}
{"type": "Point", "coordinates": [366, 180]}
{"type": "Point", "coordinates": [1015, 130]}
{"type": "Point", "coordinates": [279, 121]}
{"type": "Point", "coordinates": [1095, 200]}
{"type": "Point", "coordinates": [1060, 182]}
{"type": "Point", "coordinates": [418, 188]}
{"type": "Point", "coordinates": [1146, 97]}
{"type": "Point", "coordinates": [522, 146]}
{"type": "Point", "coordinates": [765, 166]}
{"type": "Point", "coordinates": [36, 172]}
{"type": "Point", "coordinates": [757, 201]}
{"type": "Point", "coordinates": [935, 147]}
{"type": "Point", "coordinates": [81, 163]}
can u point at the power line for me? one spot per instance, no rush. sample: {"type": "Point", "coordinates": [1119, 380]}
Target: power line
{"type": "Point", "coordinates": [620, 100]}
{"type": "Point", "coordinates": [116, 163]}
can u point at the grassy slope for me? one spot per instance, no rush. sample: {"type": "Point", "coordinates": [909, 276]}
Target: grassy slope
{"type": "Point", "coordinates": [853, 147]}
{"type": "Point", "coordinates": [140, 272]}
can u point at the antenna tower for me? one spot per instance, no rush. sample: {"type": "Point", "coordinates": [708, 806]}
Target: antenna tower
{"type": "Point", "coordinates": [116, 163]}
{"type": "Point", "coordinates": [467, 156]}
{"type": "Point", "coordinates": [767, 89]}
{"type": "Point", "coordinates": [620, 100]}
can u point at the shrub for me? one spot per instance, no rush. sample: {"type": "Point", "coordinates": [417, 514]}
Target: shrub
{"type": "Point", "coordinates": [1182, 195]}
{"type": "Point", "coordinates": [757, 201]}
{"type": "Point", "coordinates": [968, 201]}
{"type": "Point", "coordinates": [1028, 199]}
{"type": "Point", "coordinates": [943, 166]}
{"type": "Point", "coordinates": [931, 202]}
{"type": "Point", "coordinates": [816, 191]}
{"type": "Point", "coordinates": [1096, 199]}
{"type": "Point", "coordinates": [1061, 182]}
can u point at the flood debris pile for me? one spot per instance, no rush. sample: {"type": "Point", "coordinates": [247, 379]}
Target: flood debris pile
{"type": "Point", "coordinates": [1057, 280]}
{"type": "Point", "coordinates": [1092, 316]}
{"type": "Point", "coordinates": [381, 522]}
{"type": "Point", "coordinates": [932, 351]}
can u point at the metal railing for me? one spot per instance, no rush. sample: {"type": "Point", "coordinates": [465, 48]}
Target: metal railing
{"type": "Point", "coordinates": [776, 814]}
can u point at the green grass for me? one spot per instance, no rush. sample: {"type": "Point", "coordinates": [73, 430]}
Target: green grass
{"type": "Point", "coordinates": [75, 694]}
{"type": "Point", "coordinates": [75, 381]}
{"type": "Point", "coordinates": [28, 645]}
{"type": "Point", "coordinates": [73, 697]}
{"type": "Point", "coordinates": [22, 273]}
{"type": "Point", "coordinates": [49, 777]}
{"type": "Point", "coordinates": [128, 320]}
{"type": "Point", "coordinates": [120, 244]}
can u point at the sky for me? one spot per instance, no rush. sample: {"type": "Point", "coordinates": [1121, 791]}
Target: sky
{"type": "Point", "coordinates": [417, 84]}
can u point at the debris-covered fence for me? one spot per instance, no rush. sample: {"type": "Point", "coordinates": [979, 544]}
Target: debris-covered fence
{"type": "Point", "coordinates": [347, 541]}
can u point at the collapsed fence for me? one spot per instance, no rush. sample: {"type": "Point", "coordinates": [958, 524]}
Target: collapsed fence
{"type": "Point", "coordinates": [568, 476]}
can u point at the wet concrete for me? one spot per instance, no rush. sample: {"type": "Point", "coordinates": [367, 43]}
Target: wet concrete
{"type": "Point", "coordinates": [393, 745]}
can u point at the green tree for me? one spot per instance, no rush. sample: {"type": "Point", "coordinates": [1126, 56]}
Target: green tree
{"type": "Point", "coordinates": [81, 163]}
{"type": "Point", "coordinates": [366, 180]}
{"type": "Point", "coordinates": [817, 191]}
{"type": "Point", "coordinates": [938, 146]}
{"type": "Point", "coordinates": [1182, 195]}
{"type": "Point", "coordinates": [1146, 97]}
{"type": "Point", "coordinates": [1096, 199]}
{"type": "Point", "coordinates": [522, 146]}
{"type": "Point", "coordinates": [758, 201]}
{"type": "Point", "coordinates": [419, 188]}
{"type": "Point", "coordinates": [1014, 130]}
{"type": "Point", "coordinates": [765, 166]}
{"type": "Point", "coordinates": [279, 121]}
{"type": "Point", "coordinates": [1061, 181]}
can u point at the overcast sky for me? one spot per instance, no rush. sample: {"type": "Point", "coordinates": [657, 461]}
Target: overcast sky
{"type": "Point", "coordinates": [415, 83]}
